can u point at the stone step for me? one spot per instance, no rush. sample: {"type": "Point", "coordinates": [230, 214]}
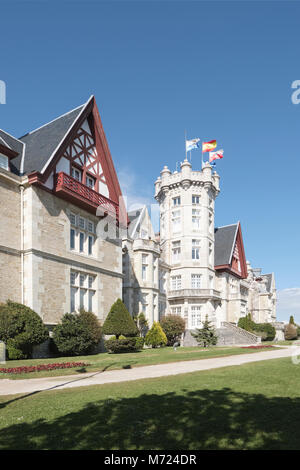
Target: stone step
{"type": "Point", "coordinates": [227, 336]}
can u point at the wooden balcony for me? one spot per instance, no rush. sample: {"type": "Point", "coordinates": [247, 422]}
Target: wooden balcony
{"type": "Point", "coordinates": [81, 195]}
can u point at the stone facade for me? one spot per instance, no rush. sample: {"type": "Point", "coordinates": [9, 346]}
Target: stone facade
{"type": "Point", "coordinates": [190, 283]}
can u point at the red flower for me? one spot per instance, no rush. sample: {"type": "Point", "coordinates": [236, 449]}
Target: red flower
{"type": "Point", "coordinates": [40, 367]}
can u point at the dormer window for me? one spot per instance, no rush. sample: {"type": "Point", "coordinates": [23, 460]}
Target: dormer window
{"type": "Point", "coordinates": [76, 174]}
{"type": "Point", "coordinates": [4, 162]}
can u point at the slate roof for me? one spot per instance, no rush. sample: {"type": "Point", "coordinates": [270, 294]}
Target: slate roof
{"type": "Point", "coordinates": [225, 238]}
{"type": "Point", "coordinates": [41, 143]}
{"type": "Point", "coordinates": [14, 144]}
{"type": "Point", "coordinates": [36, 147]}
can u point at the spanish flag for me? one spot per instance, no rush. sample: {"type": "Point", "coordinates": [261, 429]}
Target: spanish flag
{"type": "Point", "coordinates": [207, 146]}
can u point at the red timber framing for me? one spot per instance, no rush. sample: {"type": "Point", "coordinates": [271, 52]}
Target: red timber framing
{"type": "Point", "coordinates": [238, 265]}
{"type": "Point", "coordinates": [87, 150]}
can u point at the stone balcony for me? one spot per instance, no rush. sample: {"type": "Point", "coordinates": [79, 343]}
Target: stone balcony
{"type": "Point", "coordinates": [195, 293]}
{"type": "Point", "coordinates": [147, 245]}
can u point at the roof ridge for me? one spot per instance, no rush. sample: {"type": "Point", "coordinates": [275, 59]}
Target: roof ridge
{"type": "Point", "coordinates": [53, 120]}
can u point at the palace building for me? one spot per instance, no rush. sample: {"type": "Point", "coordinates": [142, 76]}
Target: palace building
{"type": "Point", "coordinates": [52, 182]}
{"type": "Point", "coordinates": [61, 205]}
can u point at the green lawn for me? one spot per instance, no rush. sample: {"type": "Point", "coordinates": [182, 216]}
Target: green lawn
{"type": "Point", "coordinates": [254, 406]}
{"type": "Point", "coordinates": [105, 361]}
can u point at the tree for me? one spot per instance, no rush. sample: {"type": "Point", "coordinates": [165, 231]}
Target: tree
{"type": "Point", "coordinates": [292, 321]}
{"type": "Point", "coordinates": [21, 329]}
{"type": "Point", "coordinates": [290, 332]}
{"type": "Point", "coordinates": [119, 321]}
{"type": "Point", "coordinates": [205, 336]}
{"type": "Point", "coordinates": [156, 336]}
{"type": "Point", "coordinates": [142, 324]}
{"type": "Point", "coordinates": [173, 326]}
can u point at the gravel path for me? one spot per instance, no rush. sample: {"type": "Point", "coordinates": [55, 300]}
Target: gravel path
{"type": "Point", "coordinates": [10, 387]}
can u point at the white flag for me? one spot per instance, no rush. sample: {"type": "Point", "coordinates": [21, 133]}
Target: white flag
{"type": "Point", "coordinates": [192, 144]}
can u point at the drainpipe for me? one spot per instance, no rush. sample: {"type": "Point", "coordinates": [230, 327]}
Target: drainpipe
{"type": "Point", "coordinates": [22, 244]}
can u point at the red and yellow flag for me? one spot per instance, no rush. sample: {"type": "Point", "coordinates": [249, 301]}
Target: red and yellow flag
{"type": "Point", "coordinates": [208, 146]}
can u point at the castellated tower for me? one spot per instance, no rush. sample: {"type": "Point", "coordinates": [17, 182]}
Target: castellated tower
{"type": "Point", "coordinates": [187, 199]}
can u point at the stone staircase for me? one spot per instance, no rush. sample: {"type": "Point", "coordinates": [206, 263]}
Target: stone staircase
{"type": "Point", "coordinates": [228, 335]}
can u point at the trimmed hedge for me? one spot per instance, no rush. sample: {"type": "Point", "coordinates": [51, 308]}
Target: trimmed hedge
{"type": "Point", "coordinates": [21, 329]}
{"type": "Point", "coordinates": [119, 321]}
{"type": "Point", "coordinates": [156, 336]}
{"type": "Point", "coordinates": [290, 332]}
{"type": "Point", "coordinates": [78, 334]}
{"type": "Point", "coordinates": [124, 345]}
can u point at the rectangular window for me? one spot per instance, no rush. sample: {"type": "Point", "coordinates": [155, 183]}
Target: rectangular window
{"type": "Point", "coordinates": [176, 221]}
{"type": "Point", "coordinates": [176, 251]}
{"type": "Point", "coordinates": [90, 226]}
{"type": "Point", "coordinates": [176, 310]}
{"type": "Point", "coordinates": [195, 199]}
{"type": "Point", "coordinates": [176, 201]}
{"type": "Point", "coordinates": [210, 253]}
{"type": "Point", "coordinates": [72, 239]}
{"type": "Point", "coordinates": [196, 219]}
{"type": "Point", "coordinates": [90, 182]}
{"type": "Point", "coordinates": [91, 301]}
{"type": "Point", "coordinates": [76, 174]}
{"type": "Point", "coordinates": [81, 242]}
{"type": "Point", "coordinates": [195, 249]}
{"type": "Point", "coordinates": [175, 282]}
{"type": "Point", "coordinates": [144, 272]}
{"type": "Point", "coordinates": [81, 223]}
{"type": "Point", "coordinates": [91, 244]}
{"type": "Point", "coordinates": [82, 298]}
{"type": "Point", "coordinates": [196, 281]}
{"type": "Point", "coordinates": [82, 293]}
{"type": "Point", "coordinates": [73, 298]}
{"type": "Point", "coordinates": [72, 219]}
{"type": "Point", "coordinates": [196, 316]}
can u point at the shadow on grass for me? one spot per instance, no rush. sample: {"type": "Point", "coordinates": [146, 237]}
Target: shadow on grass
{"type": "Point", "coordinates": [204, 419]}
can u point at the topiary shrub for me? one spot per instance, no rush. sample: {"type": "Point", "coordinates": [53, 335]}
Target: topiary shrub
{"type": "Point", "coordinates": [21, 329]}
{"type": "Point", "coordinates": [124, 345]}
{"type": "Point", "coordinates": [119, 321]}
{"type": "Point", "coordinates": [246, 323]}
{"type": "Point", "coordinates": [156, 336]}
{"type": "Point", "coordinates": [173, 326]}
{"type": "Point", "coordinates": [78, 334]}
{"type": "Point", "coordinates": [290, 332]}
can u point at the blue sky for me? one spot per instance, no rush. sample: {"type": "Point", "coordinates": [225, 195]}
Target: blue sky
{"type": "Point", "coordinates": [221, 70]}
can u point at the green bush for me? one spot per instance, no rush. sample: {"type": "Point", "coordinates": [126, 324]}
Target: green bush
{"type": "Point", "coordinates": [119, 321]}
{"type": "Point", "coordinates": [21, 329]}
{"type": "Point", "coordinates": [142, 324]}
{"type": "Point", "coordinates": [156, 336]}
{"type": "Point", "coordinates": [78, 334]}
{"type": "Point", "coordinates": [173, 326]}
{"type": "Point", "coordinates": [290, 332]}
{"type": "Point", "coordinates": [292, 321]}
{"type": "Point", "coordinates": [266, 331]}
{"type": "Point", "coordinates": [132, 344]}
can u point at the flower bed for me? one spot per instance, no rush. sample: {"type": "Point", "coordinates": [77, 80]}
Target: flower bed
{"type": "Point", "coordinates": [260, 346]}
{"type": "Point", "coordinates": [40, 367]}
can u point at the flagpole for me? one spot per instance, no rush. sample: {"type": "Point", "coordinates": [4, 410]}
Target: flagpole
{"type": "Point", "coordinates": [185, 144]}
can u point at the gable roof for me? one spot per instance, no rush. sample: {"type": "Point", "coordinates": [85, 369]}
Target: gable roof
{"type": "Point", "coordinates": [42, 142]}
{"type": "Point", "coordinates": [225, 238]}
{"type": "Point", "coordinates": [15, 145]}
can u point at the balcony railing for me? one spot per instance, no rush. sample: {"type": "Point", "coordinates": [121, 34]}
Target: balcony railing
{"type": "Point", "coordinates": [202, 293]}
{"type": "Point", "coordinates": [89, 199]}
